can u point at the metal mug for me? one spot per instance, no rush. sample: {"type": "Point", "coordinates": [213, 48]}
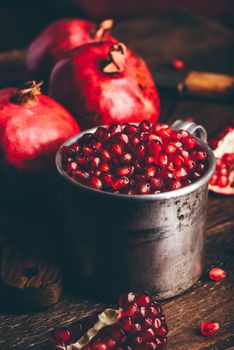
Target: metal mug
{"type": "Point", "coordinates": [149, 242]}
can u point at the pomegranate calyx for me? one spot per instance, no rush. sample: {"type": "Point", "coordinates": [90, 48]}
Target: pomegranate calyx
{"type": "Point", "coordinates": [26, 92]}
{"type": "Point", "coordinates": [103, 30]}
{"type": "Point", "coordinates": [117, 59]}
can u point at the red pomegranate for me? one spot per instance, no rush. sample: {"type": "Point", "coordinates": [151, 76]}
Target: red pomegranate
{"type": "Point", "coordinates": [103, 83]}
{"type": "Point", "coordinates": [59, 38]}
{"type": "Point", "coordinates": [222, 143]}
{"type": "Point", "coordinates": [32, 126]}
{"type": "Point", "coordinates": [139, 324]}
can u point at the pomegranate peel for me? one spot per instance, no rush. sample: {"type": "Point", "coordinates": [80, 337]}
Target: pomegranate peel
{"type": "Point", "coordinates": [59, 38]}
{"type": "Point", "coordinates": [32, 128]}
{"type": "Point", "coordinates": [222, 144]}
{"type": "Point", "coordinates": [132, 326]}
{"type": "Point", "coordinates": [103, 83]}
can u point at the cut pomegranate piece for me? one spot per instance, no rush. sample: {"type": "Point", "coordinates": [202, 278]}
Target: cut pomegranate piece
{"type": "Point", "coordinates": [216, 274]}
{"type": "Point", "coordinates": [222, 144]}
{"type": "Point", "coordinates": [116, 159]}
{"type": "Point", "coordinates": [135, 325]}
{"type": "Point", "coordinates": [209, 328]}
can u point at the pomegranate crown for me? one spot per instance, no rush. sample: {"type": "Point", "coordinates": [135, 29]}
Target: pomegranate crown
{"type": "Point", "coordinates": [26, 92]}
{"type": "Point", "coordinates": [117, 59]}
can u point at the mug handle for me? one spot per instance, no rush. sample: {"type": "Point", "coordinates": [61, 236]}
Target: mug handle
{"type": "Point", "coordinates": [193, 128]}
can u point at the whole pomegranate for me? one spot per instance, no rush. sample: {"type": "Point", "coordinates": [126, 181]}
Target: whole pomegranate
{"type": "Point", "coordinates": [32, 128]}
{"type": "Point", "coordinates": [222, 144]}
{"type": "Point", "coordinates": [138, 324]}
{"type": "Point", "coordinates": [59, 38]}
{"type": "Point", "coordinates": [104, 83]}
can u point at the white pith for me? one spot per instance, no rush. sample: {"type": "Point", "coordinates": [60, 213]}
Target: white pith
{"type": "Point", "coordinates": [107, 318]}
{"type": "Point", "coordinates": [225, 145]}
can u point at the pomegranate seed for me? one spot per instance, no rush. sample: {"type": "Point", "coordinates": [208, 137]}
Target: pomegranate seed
{"type": "Point", "coordinates": [147, 334]}
{"type": "Point", "coordinates": [143, 299]}
{"type": "Point", "coordinates": [94, 162]}
{"type": "Point", "coordinates": [99, 345]}
{"type": "Point", "coordinates": [146, 322]}
{"type": "Point", "coordinates": [150, 345]}
{"type": "Point", "coordinates": [130, 129]}
{"type": "Point", "coordinates": [126, 158]}
{"type": "Point", "coordinates": [67, 152]}
{"type": "Point", "coordinates": [126, 299]}
{"type": "Point", "coordinates": [214, 178]}
{"type": "Point", "coordinates": [171, 166]}
{"type": "Point", "coordinates": [104, 167]}
{"type": "Point", "coordinates": [135, 140]}
{"type": "Point", "coordinates": [165, 133]}
{"type": "Point", "coordinates": [88, 151]}
{"type": "Point", "coordinates": [167, 175]}
{"type": "Point", "coordinates": [117, 149]}
{"type": "Point", "coordinates": [175, 185]}
{"type": "Point", "coordinates": [80, 175]}
{"type": "Point", "coordinates": [189, 142]}
{"type": "Point", "coordinates": [199, 155]}
{"type": "Point", "coordinates": [170, 148]}
{"type": "Point", "coordinates": [178, 64]}
{"type": "Point", "coordinates": [120, 136]}
{"type": "Point", "coordinates": [105, 154]}
{"type": "Point", "coordinates": [151, 171]}
{"type": "Point", "coordinates": [121, 183]}
{"type": "Point", "coordinates": [143, 188]}
{"type": "Point", "coordinates": [209, 328]}
{"type": "Point", "coordinates": [154, 147]}
{"type": "Point", "coordinates": [124, 171]}
{"type": "Point", "coordinates": [140, 150]}
{"type": "Point", "coordinates": [157, 323]}
{"type": "Point", "coordinates": [200, 167]}
{"type": "Point", "coordinates": [162, 159]}
{"type": "Point", "coordinates": [95, 182]}
{"type": "Point", "coordinates": [130, 309]}
{"type": "Point", "coordinates": [184, 133]}
{"type": "Point", "coordinates": [180, 173]}
{"type": "Point", "coordinates": [222, 181]}
{"type": "Point", "coordinates": [116, 333]}
{"type": "Point", "coordinates": [144, 125]}
{"type": "Point", "coordinates": [156, 183]}
{"type": "Point", "coordinates": [108, 181]}
{"type": "Point", "coordinates": [190, 164]}
{"type": "Point", "coordinates": [71, 166]}
{"type": "Point", "coordinates": [76, 147]}
{"type": "Point", "coordinates": [125, 324]}
{"type": "Point", "coordinates": [216, 274]}
{"type": "Point", "coordinates": [97, 145]}
{"type": "Point", "coordinates": [178, 160]}
{"type": "Point", "coordinates": [149, 160]}
{"type": "Point", "coordinates": [115, 128]}
{"type": "Point", "coordinates": [62, 335]}
{"type": "Point", "coordinates": [110, 342]}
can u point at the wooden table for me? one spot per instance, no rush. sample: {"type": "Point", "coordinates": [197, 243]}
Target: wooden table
{"type": "Point", "coordinates": [203, 45]}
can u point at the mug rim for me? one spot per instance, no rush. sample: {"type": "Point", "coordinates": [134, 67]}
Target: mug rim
{"type": "Point", "coordinates": [139, 197]}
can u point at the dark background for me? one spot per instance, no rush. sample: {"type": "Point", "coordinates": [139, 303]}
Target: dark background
{"type": "Point", "coordinates": [21, 20]}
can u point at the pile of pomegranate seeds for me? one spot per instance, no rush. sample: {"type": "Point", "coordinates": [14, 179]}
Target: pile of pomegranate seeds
{"type": "Point", "coordinates": [131, 159]}
{"type": "Point", "coordinates": [209, 328]}
{"type": "Point", "coordinates": [138, 325]}
{"type": "Point", "coordinates": [216, 274]}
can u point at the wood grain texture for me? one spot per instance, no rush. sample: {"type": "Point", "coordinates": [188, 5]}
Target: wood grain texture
{"type": "Point", "coordinates": [205, 45]}
{"type": "Point", "coordinates": [30, 276]}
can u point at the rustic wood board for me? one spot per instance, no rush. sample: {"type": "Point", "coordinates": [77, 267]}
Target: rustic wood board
{"type": "Point", "coordinates": [205, 45]}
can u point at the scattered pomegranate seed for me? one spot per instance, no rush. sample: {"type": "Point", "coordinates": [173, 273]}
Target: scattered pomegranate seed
{"type": "Point", "coordinates": [209, 328]}
{"type": "Point", "coordinates": [62, 335]}
{"type": "Point", "coordinates": [141, 159]}
{"type": "Point", "coordinates": [178, 64]}
{"type": "Point", "coordinates": [216, 274]}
